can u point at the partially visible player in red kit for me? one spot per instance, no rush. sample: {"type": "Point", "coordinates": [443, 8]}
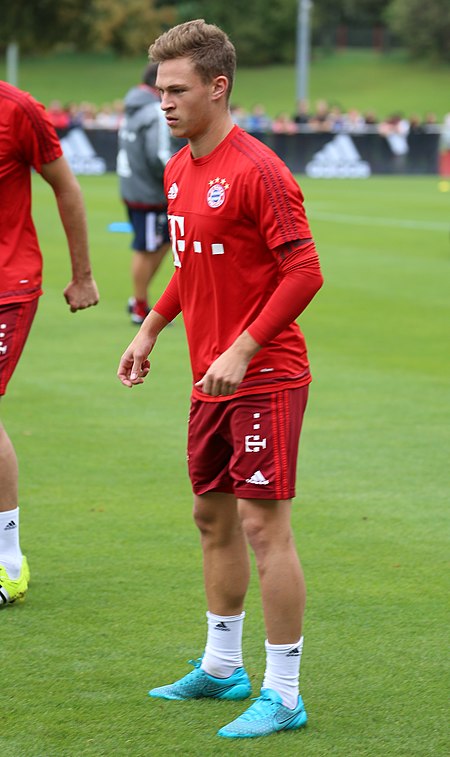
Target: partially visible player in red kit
{"type": "Point", "coordinates": [245, 268]}
{"type": "Point", "coordinates": [28, 140]}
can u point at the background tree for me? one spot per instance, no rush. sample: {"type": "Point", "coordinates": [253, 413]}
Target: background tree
{"type": "Point", "coordinates": [125, 26]}
{"type": "Point", "coordinates": [364, 12]}
{"type": "Point", "coordinates": [40, 26]}
{"type": "Point", "coordinates": [128, 27]}
{"type": "Point", "coordinates": [328, 15]}
{"type": "Point", "coordinates": [264, 31]}
{"type": "Point", "coordinates": [424, 27]}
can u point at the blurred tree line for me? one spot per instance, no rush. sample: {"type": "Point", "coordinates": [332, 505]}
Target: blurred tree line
{"type": "Point", "coordinates": [262, 30]}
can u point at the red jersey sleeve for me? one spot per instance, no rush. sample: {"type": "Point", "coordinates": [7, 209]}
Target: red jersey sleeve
{"type": "Point", "coordinates": [168, 304]}
{"type": "Point", "coordinates": [35, 134]}
{"type": "Point", "coordinates": [27, 140]}
{"type": "Point", "coordinates": [275, 203]}
{"type": "Point", "coordinates": [301, 278]}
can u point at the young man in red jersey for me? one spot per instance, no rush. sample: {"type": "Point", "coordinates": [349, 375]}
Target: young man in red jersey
{"type": "Point", "coordinates": [245, 268]}
{"type": "Point", "coordinates": [28, 140]}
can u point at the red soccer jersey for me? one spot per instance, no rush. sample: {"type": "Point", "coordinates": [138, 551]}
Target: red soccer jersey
{"type": "Point", "coordinates": [228, 211]}
{"type": "Point", "coordinates": [27, 139]}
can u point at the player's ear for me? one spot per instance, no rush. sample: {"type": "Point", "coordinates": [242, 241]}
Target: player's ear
{"type": "Point", "coordinates": [219, 87]}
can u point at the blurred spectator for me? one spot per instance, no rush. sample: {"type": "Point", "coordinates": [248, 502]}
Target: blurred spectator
{"type": "Point", "coordinates": [109, 116]}
{"type": "Point", "coordinates": [321, 120]}
{"type": "Point", "coordinates": [239, 115]}
{"type": "Point", "coordinates": [396, 130]}
{"type": "Point", "coordinates": [301, 117]}
{"type": "Point", "coordinates": [283, 124]}
{"type": "Point", "coordinates": [88, 113]}
{"type": "Point", "coordinates": [394, 124]}
{"type": "Point", "coordinates": [370, 119]}
{"type": "Point", "coordinates": [258, 120]}
{"type": "Point", "coordinates": [325, 118]}
{"type": "Point", "coordinates": [431, 123]}
{"type": "Point", "coordinates": [445, 133]}
{"type": "Point", "coordinates": [59, 117]}
{"type": "Point", "coordinates": [354, 122]}
{"type": "Point", "coordinates": [415, 125]}
{"type": "Point", "coordinates": [119, 110]}
{"type": "Point", "coordinates": [75, 115]}
{"type": "Point", "coordinates": [444, 147]}
{"type": "Point", "coordinates": [337, 119]}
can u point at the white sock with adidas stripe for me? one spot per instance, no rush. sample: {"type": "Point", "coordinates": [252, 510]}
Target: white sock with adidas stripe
{"type": "Point", "coordinates": [10, 554]}
{"type": "Point", "coordinates": [223, 651]}
{"type": "Point", "coordinates": [283, 670]}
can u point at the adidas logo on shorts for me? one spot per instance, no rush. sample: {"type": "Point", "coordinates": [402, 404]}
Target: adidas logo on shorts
{"type": "Point", "coordinates": [258, 478]}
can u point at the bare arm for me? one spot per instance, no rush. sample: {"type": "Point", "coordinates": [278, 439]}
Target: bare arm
{"type": "Point", "coordinates": [82, 291]}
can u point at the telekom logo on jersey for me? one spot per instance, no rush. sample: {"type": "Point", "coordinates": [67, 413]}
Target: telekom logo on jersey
{"type": "Point", "coordinates": [176, 226]}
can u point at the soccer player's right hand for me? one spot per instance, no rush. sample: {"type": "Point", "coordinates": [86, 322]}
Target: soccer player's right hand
{"type": "Point", "coordinates": [132, 370]}
{"type": "Point", "coordinates": [134, 364]}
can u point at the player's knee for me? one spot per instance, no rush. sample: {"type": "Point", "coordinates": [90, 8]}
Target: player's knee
{"type": "Point", "coordinates": [205, 519]}
{"type": "Point", "coordinates": [257, 534]}
{"type": "Point", "coordinates": [215, 530]}
{"type": "Point", "coordinates": [264, 539]}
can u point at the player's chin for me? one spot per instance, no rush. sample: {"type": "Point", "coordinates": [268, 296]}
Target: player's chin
{"type": "Point", "coordinates": [177, 130]}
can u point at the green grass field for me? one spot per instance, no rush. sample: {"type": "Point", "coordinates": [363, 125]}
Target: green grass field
{"type": "Point", "coordinates": [116, 602]}
{"type": "Point", "coordinates": [359, 79]}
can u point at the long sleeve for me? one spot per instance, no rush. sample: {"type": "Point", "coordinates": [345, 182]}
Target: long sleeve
{"type": "Point", "coordinates": [301, 278]}
{"type": "Point", "coordinates": [168, 304]}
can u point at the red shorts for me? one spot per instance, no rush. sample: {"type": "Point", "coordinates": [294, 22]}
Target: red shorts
{"type": "Point", "coordinates": [247, 446]}
{"type": "Point", "coordinates": [15, 324]}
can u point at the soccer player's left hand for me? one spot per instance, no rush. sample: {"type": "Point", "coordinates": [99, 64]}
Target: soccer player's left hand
{"type": "Point", "coordinates": [226, 373]}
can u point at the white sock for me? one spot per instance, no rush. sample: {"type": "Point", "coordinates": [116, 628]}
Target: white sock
{"type": "Point", "coordinates": [223, 652]}
{"type": "Point", "coordinates": [283, 670]}
{"type": "Point", "coordinates": [10, 554]}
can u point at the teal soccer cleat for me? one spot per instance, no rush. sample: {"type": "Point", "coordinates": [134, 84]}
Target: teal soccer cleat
{"type": "Point", "coordinates": [265, 716]}
{"type": "Point", "coordinates": [197, 684]}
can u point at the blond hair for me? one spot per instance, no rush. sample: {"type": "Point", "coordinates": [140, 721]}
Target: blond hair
{"type": "Point", "coordinates": [207, 46]}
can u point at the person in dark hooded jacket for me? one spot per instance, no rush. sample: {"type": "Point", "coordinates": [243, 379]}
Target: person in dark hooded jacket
{"type": "Point", "coordinates": [143, 151]}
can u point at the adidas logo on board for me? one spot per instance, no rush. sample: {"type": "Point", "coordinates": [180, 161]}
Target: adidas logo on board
{"type": "Point", "coordinates": [338, 159]}
{"type": "Point", "coordinates": [80, 154]}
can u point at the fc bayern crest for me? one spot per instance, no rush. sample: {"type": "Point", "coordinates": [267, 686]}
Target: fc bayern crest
{"type": "Point", "coordinates": [217, 192]}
